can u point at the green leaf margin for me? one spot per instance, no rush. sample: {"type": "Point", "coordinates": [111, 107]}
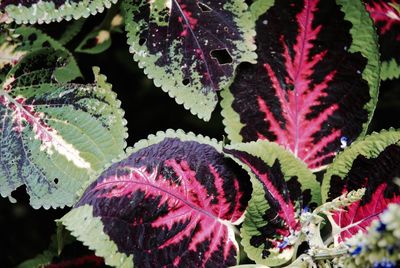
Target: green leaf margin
{"type": "Point", "coordinates": [46, 12]}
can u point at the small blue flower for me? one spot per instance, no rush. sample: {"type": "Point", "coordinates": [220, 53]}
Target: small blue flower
{"type": "Point", "coordinates": [390, 249]}
{"type": "Point", "coordinates": [306, 209]}
{"type": "Point", "coordinates": [381, 227]}
{"type": "Point", "coordinates": [385, 263]}
{"type": "Point", "coordinates": [356, 251]}
{"type": "Point", "coordinates": [284, 243]}
{"type": "Point", "coordinates": [343, 140]}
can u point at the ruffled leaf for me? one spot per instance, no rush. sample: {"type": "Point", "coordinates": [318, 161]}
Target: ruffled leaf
{"type": "Point", "coordinates": [39, 11]}
{"type": "Point", "coordinates": [373, 164]}
{"type": "Point", "coordinates": [190, 48]}
{"type": "Point", "coordinates": [315, 85]}
{"type": "Point", "coordinates": [282, 188]}
{"type": "Point", "coordinates": [172, 203]}
{"type": "Point", "coordinates": [386, 15]}
{"type": "Point", "coordinates": [55, 136]}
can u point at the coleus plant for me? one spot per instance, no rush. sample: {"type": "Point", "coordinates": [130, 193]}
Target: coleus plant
{"type": "Point", "coordinates": [299, 83]}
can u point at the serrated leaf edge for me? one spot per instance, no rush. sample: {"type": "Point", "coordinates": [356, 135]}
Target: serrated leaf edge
{"type": "Point", "coordinates": [46, 12]}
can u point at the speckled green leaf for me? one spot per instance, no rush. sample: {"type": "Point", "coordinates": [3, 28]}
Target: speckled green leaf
{"type": "Point", "coordinates": [39, 11]}
{"type": "Point", "coordinates": [190, 48]}
{"type": "Point", "coordinates": [55, 136]}
{"type": "Point", "coordinates": [17, 42]}
{"type": "Point", "coordinates": [283, 188]}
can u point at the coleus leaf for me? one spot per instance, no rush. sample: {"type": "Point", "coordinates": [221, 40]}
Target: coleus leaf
{"type": "Point", "coordinates": [315, 85]}
{"type": "Point", "coordinates": [55, 136]}
{"type": "Point", "coordinates": [171, 203]}
{"type": "Point", "coordinates": [190, 48]}
{"type": "Point", "coordinates": [282, 188]}
{"type": "Point", "coordinates": [374, 164]}
{"type": "Point", "coordinates": [95, 42]}
{"type": "Point", "coordinates": [18, 42]}
{"type": "Point", "coordinates": [8, 57]}
{"type": "Point", "coordinates": [386, 15]}
{"type": "Point", "coordinates": [99, 39]}
{"type": "Point", "coordinates": [38, 11]}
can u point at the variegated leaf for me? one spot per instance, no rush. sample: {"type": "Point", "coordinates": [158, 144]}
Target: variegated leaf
{"type": "Point", "coordinates": [55, 136]}
{"type": "Point", "coordinates": [282, 188]}
{"type": "Point", "coordinates": [373, 164]}
{"type": "Point", "coordinates": [190, 48]}
{"type": "Point", "coordinates": [315, 85]}
{"type": "Point", "coordinates": [171, 203]}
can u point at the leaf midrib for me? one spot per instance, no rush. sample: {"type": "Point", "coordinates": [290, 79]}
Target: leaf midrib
{"type": "Point", "coordinates": [191, 205]}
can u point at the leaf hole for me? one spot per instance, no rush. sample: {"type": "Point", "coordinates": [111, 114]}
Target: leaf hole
{"type": "Point", "coordinates": [46, 44]}
{"type": "Point", "coordinates": [222, 56]}
{"type": "Point", "coordinates": [185, 81]}
{"type": "Point", "coordinates": [32, 38]}
{"type": "Point", "coordinates": [290, 87]}
{"type": "Point", "coordinates": [55, 180]}
{"type": "Point", "coordinates": [142, 41]}
{"type": "Point", "coordinates": [204, 7]}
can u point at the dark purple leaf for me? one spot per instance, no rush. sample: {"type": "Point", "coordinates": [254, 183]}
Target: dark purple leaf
{"type": "Point", "coordinates": [171, 204]}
